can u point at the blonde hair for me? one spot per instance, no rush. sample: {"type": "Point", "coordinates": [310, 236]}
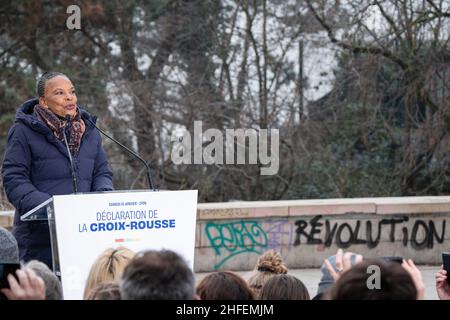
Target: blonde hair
{"type": "Point", "coordinates": [269, 264]}
{"type": "Point", "coordinates": [108, 267]}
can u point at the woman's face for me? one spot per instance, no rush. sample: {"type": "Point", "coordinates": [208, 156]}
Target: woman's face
{"type": "Point", "coordinates": [60, 96]}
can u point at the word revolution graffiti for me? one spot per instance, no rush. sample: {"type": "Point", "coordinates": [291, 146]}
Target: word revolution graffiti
{"type": "Point", "coordinates": [422, 234]}
{"type": "Point", "coordinates": [233, 238]}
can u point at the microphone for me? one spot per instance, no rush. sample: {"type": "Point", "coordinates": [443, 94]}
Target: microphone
{"type": "Point", "coordinates": [74, 176]}
{"type": "Point", "coordinates": [134, 154]}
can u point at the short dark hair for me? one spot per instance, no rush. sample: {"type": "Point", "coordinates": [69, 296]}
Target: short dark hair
{"type": "Point", "coordinates": [395, 282]}
{"type": "Point", "coordinates": [284, 287]}
{"type": "Point", "coordinates": [224, 285]}
{"type": "Point", "coordinates": [157, 275]}
{"type": "Point", "coordinates": [40, 85]}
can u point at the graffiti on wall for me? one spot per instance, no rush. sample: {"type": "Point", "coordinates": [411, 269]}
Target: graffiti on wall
{"type": "Point", "coordinates": [232, 238]}
{"type": "Point", "coordinates": [421, 234]}
{"type": "Point", "coordinates": [229, 239]}
{"type": "Point", "coordinates": [280, 234]}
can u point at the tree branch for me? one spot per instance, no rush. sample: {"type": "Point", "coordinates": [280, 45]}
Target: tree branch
{"type": "Point", "coordinates": [352, 47]}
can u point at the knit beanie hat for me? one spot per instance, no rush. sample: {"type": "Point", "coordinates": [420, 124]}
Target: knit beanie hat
{"type": "Point", "coordinates": [9, 250]}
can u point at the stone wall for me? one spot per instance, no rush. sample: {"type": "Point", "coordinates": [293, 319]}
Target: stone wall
{"type": "Point", "coordinates": [231, 236]}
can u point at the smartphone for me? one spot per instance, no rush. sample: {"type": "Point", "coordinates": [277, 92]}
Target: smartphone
{"type": "Point", "coordinates": [446, 263]}
{"type": "Point", "coordinates": [5, 269]}
{"type": "Point", "coordinates": [393, 259]}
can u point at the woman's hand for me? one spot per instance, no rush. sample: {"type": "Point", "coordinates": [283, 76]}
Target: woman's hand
{"type": "Point", "coordinates": [416, 276]}
{"type": "Point", "coordinates": [442, 286]}
{"type": "Point", "coordinates": [343, 263]}
{"type": "Point", "coordinates": [29, 287]}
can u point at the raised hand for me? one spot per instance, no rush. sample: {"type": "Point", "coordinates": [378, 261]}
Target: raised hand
{"type": "Point", "coordinates": [28, 287]}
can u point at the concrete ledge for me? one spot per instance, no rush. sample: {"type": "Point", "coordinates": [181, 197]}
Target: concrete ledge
{"type": "Point", "coordinates": [242, 209]}
{"type": "Point", "coordinates": [292, 208]}
{"type": "Point", "coordinates": [411, 205]}
{"type": "Point", "coordinates": [332, 207]}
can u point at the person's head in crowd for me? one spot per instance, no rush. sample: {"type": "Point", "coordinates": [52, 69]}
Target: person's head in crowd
{"type": "Point", "coordinates": [105, 291]}
{"type": "Point", "coordinates": [158, 275]}
{"type": "Point", "coordinates": [284, 287]}
{"type": "Point", "coordinates": [269, 264]}
{"type": "Point", "coordinates": [9, 250]}
{"type": "Point", "coordinates": [53, 287]}
{"type": "Point", "coordinates": [395, 283]}
{"type": "Point", "coordinates": [332, 266]}
{"type": "Point", "coordinates": [224, 285]}
{"type": "Point", "coordinates": [109, 266]}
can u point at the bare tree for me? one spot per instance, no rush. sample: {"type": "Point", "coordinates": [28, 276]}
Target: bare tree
{"type": "Point", "coordinates": [411, 39]}
{"type": "Point", "coordinates": [152, 68]}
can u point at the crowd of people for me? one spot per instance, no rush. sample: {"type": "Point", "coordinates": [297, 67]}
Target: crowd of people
{"type": "Point", "coordinates": [121, 274]}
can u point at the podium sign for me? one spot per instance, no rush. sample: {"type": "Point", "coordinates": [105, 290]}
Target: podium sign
{"type": "Point", "coordinates": [87, 224]}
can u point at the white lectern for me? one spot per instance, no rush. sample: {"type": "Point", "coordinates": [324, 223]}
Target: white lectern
{"type": "Point", "coordinates": [83, 225]}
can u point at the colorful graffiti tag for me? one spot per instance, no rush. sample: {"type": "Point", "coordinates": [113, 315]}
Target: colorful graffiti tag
{"type": "Point", "coordinates": [232, 238]}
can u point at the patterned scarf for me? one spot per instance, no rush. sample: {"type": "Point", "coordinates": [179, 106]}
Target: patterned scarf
{"type": "Point", "coordinates": [57, 125]}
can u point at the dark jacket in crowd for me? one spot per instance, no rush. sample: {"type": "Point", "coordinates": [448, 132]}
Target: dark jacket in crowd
{"type": "Point", "coordinates": [36, 166]}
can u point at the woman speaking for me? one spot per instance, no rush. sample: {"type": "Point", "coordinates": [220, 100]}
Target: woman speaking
{"type": "Point", "coordinates": [37, 164]}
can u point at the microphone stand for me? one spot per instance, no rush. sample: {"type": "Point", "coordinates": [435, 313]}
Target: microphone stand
{"type": "Point", "coordinates": [149, 176]}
